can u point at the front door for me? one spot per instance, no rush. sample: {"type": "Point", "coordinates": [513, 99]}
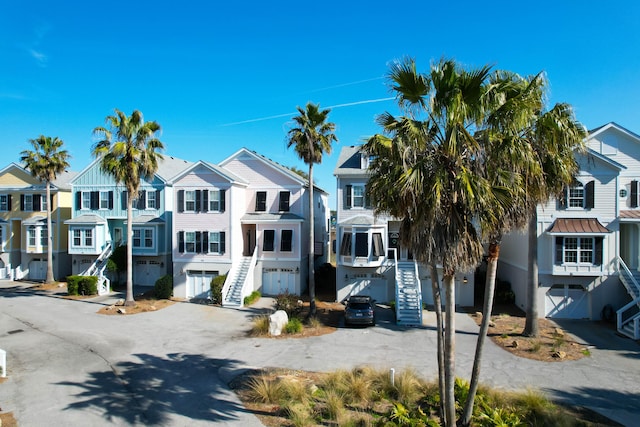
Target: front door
{"type": "Point", "coordinates": [249, 236]}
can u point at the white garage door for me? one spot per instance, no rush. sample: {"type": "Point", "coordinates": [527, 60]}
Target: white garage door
{"type": "Point", "coordinates": [199, 283]}
{"type": "Point", "coordinates": [37, 269]}
{"type": "Point", "coordinates": [376, 288]}
{"type": "Point", "coordinates": [277, 281]}
{"type": "Point", "coordinates": [145, 273]}
{"type": "Point", "coordinates": [567, 302]}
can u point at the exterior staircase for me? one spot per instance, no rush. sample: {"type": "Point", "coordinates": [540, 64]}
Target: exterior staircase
{"type": "Point", "coordinates": [628, 317]}
{"type": "Point", "coordinates": [97, 269]}
{"type": "Point", "coordinates": [237, 282]}
{"type": "Point", "coordinates": [408, 294]}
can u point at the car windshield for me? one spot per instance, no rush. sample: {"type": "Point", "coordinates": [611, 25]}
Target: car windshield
{"type": "Point", "coordinates": [359, 306]}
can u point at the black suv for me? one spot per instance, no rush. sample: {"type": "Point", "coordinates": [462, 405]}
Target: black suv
{"type": "Point", "coordinates": [359, 311]}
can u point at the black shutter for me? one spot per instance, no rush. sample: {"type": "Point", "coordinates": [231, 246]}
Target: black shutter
{"type": "Point", "coordinates": [367, 200]}
{"type": "Point", "coordinates": [198, 242]}
{"type": "Point", "coordinates": [598, 255]}
{"type": "Point", "coordinates": [347, 197]}
{"type": "Point", "coordinates": [157, 199]}
{"type": "Point", "coordinates": [123, 199]}
{"type": "Point", "coordinates": [562, 201]}
{"type": "Point", "coordinates": [142, 200]}
{"type": "Point", "coordinates": [51, 202]}
{"type": "Point", "coordinates": [110, 199]}
{"type": "Point", "coordinates": [634, 194]}
{"type": "Point", "coordinates": [95, 200]}
{"type": "Point", "coordinates": [589, 198]}
{"type": "Point", "coordinates": [205, 242]}
{"type": "Point", "coordinates": [181, 201]}
{"type": "Point", "coordinates": [78, 200]}
{"type": "Point", "coordinates": [205, 200]}
{"type": "Point", "coordinates": [36, 203]}
{"type": "Point", "coordinates": [181, 241]}
{"type": "Point", "coordinates": [559, 244]}
{"type": "Point", "coordinates": [22, 202]}
{"type": "Point", "coordinates": [222, 242]}
{"type": "Point", "coordinates": [222, 200]}
{"type": "Point", "coordinates": [198, 200]}
{"type": "Point", "coordinates": [9, 202]}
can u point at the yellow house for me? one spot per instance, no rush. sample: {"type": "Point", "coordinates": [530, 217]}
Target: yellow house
{"type": "Point", "coordinates": [23, 224]}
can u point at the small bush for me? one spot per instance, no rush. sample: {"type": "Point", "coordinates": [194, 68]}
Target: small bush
{"type": "Point", "coordinates": [73, 284]}
{"type": "Point", "coordinates": [164, 287]}
{"type": "Point", "coordinates": [265, 390]}
{"type": "Point", "coordinates": [294, 326]}
{"type": "Point", "coordinates": [260, 326]}
{"type": "Point", "coordinates": [217, 283]}
{"type": "Point", "coordinates": [82, 285]}
{"type": "Point", "coordinates": [253, 297]}
{"type": "Point", "coordinates": [287, 302]}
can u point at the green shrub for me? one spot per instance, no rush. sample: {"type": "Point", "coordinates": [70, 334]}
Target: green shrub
{"type": "Point", "coordinates": [82, 285]}
{"type": "Point", "coordinates": [217, 283]}
{"type": "Point", "coordinates": [260, 326]}
{"type": "Point", "coordinates": [164, 287]}
{"type": "Point", "coordinates": [253, 297]}
{"type": "Point", "coordinates": [294, 326]}
{"type": "Point", "coordinates": [287, 302]}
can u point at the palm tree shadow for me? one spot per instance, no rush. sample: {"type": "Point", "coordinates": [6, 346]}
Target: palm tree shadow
{"type": "Point", "coordinates": [148, 391]}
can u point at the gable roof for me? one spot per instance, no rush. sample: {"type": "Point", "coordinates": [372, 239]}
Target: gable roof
{"type": "Point", "coordinates": [349, 161]}
{"type": "Point", "coordinates": [61, 182]}
{"type": "Point", "coordinates": [275, 165]}
{"type": "Point", "coordinates": [228, 175]}
{"type": "Point", "coordinates": [613, 125]}
{"type": "Point", "coordinates": [605, 159]}
{"type": "Point", "coordinates": [168, 167]}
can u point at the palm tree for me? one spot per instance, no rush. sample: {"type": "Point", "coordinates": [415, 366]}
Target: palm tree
{"type": "Point", "coordinates": [128, 151]}
{"type": "Point", "coordinates": [45, 162]}
{"type": "Point", "coordinates": [311, 137]}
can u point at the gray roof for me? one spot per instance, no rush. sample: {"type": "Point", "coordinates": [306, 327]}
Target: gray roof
{"type": "Point", "coordinates": [263, 216]}
{"type": "Point", "coordinates": [35, 220]}
{"type": "Point", "coordinates": [349, 162]}
{"type": "Point", "coordinates": [170, 166]}
{"type": "Point", "coordinates": [146, 219]}
{"type": "Point", "coordinates": [359, 220]}
{"type": "Point", "coordinates": [87, 219]}
{"type": "Point", "coordinates": [63, 180]}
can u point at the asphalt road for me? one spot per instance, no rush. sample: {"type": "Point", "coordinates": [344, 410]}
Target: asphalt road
{"type": "Point", "coordinates": [69, 365]}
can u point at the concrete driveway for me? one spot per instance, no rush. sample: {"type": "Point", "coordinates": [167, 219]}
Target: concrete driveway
{"type": "Point", "coordinates": [67, 364]}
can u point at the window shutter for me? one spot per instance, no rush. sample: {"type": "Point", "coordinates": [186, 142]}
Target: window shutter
{"type": "Point", "coordinates": [36, 203]}
{"type": "Point", "coordinates": [598, 254]}
{"type": "Point", "coordinates": [222, 200]}
{"type": "Point", "coordinates": [347, 197]}
{"type": "Point", "coordinates": [157, 199]}
{"type": "Point", "coordinates": [198, 242]}
{"type": "Point", "coordinates": [205, 242]}
{"type": "Point", "coordinates": [222, 242]}
{"type": "Point", "coordinates": [181, 241]}
{"type": "Point", "coordinates": [124, 199]}
{"type": "Point", "coordinates": [110, 199]}
{"type": "Point", "coordinates": [367, 199]}
{"type": "Point", "coordinates": [198, 200]}
{"type": "Point", "coordinates": [51, 201]}
{"type": "Point", "coordinates": [284, 201]}
{"type": "Point", "coordinates": [634, 194]}
{"type": "Point", "coordinates": [95, 200]}
{"type": "Point", "coordinates": [589, 198]}
{"type": "Point", "coordinates": [78, 200]}
{"type": "Point", "coordinates": [559, 244]}
{"type": "Point", "coordinates": [562, 201]}
{"type": "Point", "coordinates": [22, 202]}
{"type": "Point", "coordinates": [205, 200]}
{"type": "Point", "coordinates": [181, 201]}
{"type": "Point", "coordinates": [142, 200]}
{"type": "Point", "coordinates": [9, 202]}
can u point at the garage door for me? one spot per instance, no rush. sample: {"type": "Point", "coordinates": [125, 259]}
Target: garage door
{"type": "Point", "coordinates": [376, 288]}
{"type": "Point", "coordinates": [199, 283]}
{"type": "Point", "coordinates": [145, 273]}
{"type": "Point", "coordinates": [277, 281]}
{"type": "Point", "coordinates": [37, 270]}
{"type": "Point", "coordinates": [567, 302]}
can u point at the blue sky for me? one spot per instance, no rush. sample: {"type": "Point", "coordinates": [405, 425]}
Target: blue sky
{"type": "Point", "coordinates": [218, 77]}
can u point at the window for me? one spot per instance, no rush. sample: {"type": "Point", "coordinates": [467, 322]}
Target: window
{"type": "Point", "coordinates": [378, 247]}
{"type": "Point", "coordinates": [44, 238]}
{"type": "Point", "coordinates": [362, 245]}
{"type": "Point", "coordinates": [261, 201]}
{"type": "Point", "coordinates": [31, 234]}
{"type": "Point", "coordinates": [190, 201]}
{"type": "Point", "coordinates": [286, 238]}
{"type": "Point", "coordinates": [83, 237]}
{"type": "Point", "coordinates": [43, 203]}
{"type": "Point", "coordinates": [190, 241]}
{"type": "Point", "coordinates": [28, 203]}
{"type": "Point", "coordinates": [576, 196]}
{"type": "Point", "coordinates": [152, 202]}
{"type": "Point", "coordinates": [345, 246]}
{"type": "Point", "coordinates": [104, 200]}
{"type": "Point", "coordinates": [572, 250]}
{"type": "Point", "coordinates": [5, 202]}
{"type": "Point", "coordinates": [269, 240]}
{"type": "Point", "coordinates": [358, 196]}
{"type": "Point", "coordinates": [86, 200]}
{"type": "Point", "coordinates": [283, 206]}
{"type": "Point", "coordinates": [142, 237]}
{"type": "Point", "coordinates": [214, 242]}
{"type": "Point", "coordinates": [355, 196]}
{"type": "Point", "coordinates": [214, 201]}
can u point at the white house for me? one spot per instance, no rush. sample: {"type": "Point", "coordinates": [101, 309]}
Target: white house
{"type": "Point", "coordinates": [370, 260]}
{"type": "Point", "coordinates": [589, 240]}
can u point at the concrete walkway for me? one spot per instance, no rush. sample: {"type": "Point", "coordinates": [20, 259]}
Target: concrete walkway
{"type": "Point", "coordinates": [69, 365]}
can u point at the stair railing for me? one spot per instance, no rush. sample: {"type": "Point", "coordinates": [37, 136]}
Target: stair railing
{"type": "Point", "coordinates": [630, 312]}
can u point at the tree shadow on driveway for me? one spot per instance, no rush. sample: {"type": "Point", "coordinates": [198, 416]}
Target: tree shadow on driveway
{"type": "Point", "coordinates": [148, 392]}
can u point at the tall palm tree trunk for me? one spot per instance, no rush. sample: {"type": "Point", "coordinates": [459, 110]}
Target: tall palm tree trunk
{"type": "Point", "coordinates": [129, 301]}
{"type": "Point", "coordinates": [487, 307]}
{"type": "Point", "coordinates": [437, 307]}
{"type": "Point", "coordinates": [49, 278]}
{"type": "Point", "coordinates": [531, 322]}
{"type": "Point", "coordinates": [312, 279]}
{"type": "Point", "coordinates": [449, 351]}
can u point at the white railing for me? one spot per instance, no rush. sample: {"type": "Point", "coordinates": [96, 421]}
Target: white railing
{"type": "Point", "coordinates": [630, 313]}
{"type": "Point", "coordinates": [629, 282]}
{"type": "Point", "coordinates": [247, 285]}
{"type": "Point", "coordinates": [102, 259]}
{"type": "Point", "coordinates": [397, 292]}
